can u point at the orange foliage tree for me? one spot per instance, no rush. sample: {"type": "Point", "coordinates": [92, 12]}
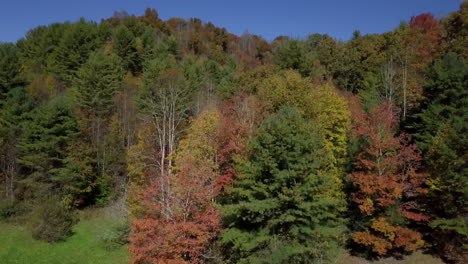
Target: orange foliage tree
{"type": "Point", "coordinates": [239, 116]}
{"type": "Point", "coordinates": [386, 180]}
{"type": "Point", "coordinates": [180, 220]}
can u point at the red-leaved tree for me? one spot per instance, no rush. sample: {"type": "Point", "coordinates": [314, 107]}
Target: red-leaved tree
{"type": "Point", "coordinates": [387, 181]}
{"type": "Point", "coordinates": [427, 22]}
{"type": "Point", "coordinates": [239, 116]}
{"type": "Point", "coordinates": [180, 221]}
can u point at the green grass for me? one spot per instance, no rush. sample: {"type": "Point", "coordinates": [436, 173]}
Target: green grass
{"type": "Point", "coordinates": [416, 258]}
{"type": "Point", "coordinates": [84, 247]}
{"type": "Point", "coordinates": [87, 247]}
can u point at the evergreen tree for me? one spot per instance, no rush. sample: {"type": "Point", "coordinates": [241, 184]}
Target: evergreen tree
{"type": "Point", "coordinates": [16, 110]}
{"type": "Point", "coordinates": [125, 46]}
{"type": "Point", "coordinates": [146, 45]}
{"type": "Point", "coordinates": [281, 208]}
{"type": "Point", "coordinates": [43, 146]}
{"type": "Point", "coordinates": [10, 67]}
{"type": "Point", "coordinates": [446, 95]}
{"type": "Point", "coordinates": [115, 161]}
{"type": "Point", "coordinates": [79, 176]}
{"type": "Point", "coordinates": [39, 44]}
{"type": "Point", "coordinates": [77, 43]}
{"type": "Point", "coordinates": [441, 129]}
{"type": "Point", "coordinates": [296, 55]}
{"type": "Point", "coordinates": [96, 85]}
{"type": "Point", "coordinates": [447, 200]}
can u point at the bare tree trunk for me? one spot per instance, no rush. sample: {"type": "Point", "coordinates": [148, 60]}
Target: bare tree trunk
{"type": "Point", "coordinates": [389, 83]}
{"type": "Point", "coordinates": [404, 84]}
{"type": "Point", "coordinates": [9, 169]}
{"type": "Point", "coordinates": [12, 170]}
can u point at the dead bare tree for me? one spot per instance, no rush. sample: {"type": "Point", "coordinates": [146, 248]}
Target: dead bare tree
{"type": "Point", "coordinates": [164, 102]}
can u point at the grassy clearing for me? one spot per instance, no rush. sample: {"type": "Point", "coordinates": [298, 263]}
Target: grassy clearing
{"type": "Point", "coordinates": [84, 247]}
{"type": "Point", "coordinates": [415, 258]}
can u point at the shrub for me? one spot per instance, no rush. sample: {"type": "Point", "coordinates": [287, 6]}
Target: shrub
{"type": "Point", "coordinates": [52, 221]}
{"type": "Point", "coordinates": [8, 210]}
{"type": "Point", "coordinates": [115, 235]}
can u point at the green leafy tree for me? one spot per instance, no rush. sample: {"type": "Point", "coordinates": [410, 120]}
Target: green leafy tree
{"type": "Point", "coordinates": [96, 85]}
{"type": "Point", "coordinates": [43, 144]}
{"type": "Point", "coordinates": [447, 200]}
{"type": "Point", "coordinates": [77, 43]}
{"type": "Point", "coordinates": [330, 111]}
{"type": "Point", "coordinates": [52, 220]}
{"type": "Point", "coordinates": [115, 162]}
{"type": "Point", "coordinates": [10, 68]}
{"type": "Point", "coordinates": [446, 97]}
{"type": "Point", "coordinates": [16, 110]}
{"type": "Point", "coordinates": [296, 55]}
{"type": "Point", "coordinates": [39, 44]}
{"type": "Point", "coordinates": [285, 88]}
{"type": "Point", "coordinates": [359, 62]}
{"type": "Point", "coordinates": [281, 210]}
{"type": "Point", "coordinates": [456, 31]}
{"type": "Point", "coordinates": [441, 129]}
{"type": "Point", "coordinates": [164, 102]}
{"type": "Point", "coordinates": [327, 52]}
{"type": "Point", "coordinates": [79, 175]}
{"type": "Point", "coordinates": [125, 46]}
{"type": "Point", "coordinates": [88, 178]}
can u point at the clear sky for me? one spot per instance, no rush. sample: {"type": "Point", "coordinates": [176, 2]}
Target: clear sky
{"type": "Point", "coordinates": [268, 18]}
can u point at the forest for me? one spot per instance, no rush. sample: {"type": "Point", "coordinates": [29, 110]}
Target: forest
{"type": "Point", "coordinates": [208, 147]}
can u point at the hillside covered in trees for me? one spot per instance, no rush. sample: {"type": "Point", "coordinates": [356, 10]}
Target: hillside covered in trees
{"type": "Point", "coordinates": [216, 148]}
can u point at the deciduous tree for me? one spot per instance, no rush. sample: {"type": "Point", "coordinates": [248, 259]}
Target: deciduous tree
{"type": "Point", "coordinates": [388, 180]}
{"type": "Point", "coordinates": [180, 219]}
{"type": "Point", "coordinates": [164, 102]}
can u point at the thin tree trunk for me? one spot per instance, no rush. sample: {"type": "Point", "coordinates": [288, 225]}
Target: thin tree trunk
{"type": "Point", "coordinates": [405, 81]}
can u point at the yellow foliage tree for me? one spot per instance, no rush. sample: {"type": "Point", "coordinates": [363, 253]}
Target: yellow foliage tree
{"type": "Point", "coordinates": [200, 142]}
{"type": "Point", "coordinates": [142, 165]}
{"type": "Point", "coordinates": [331, 113]}
{"type": "Point", "coordinates": [285, 88]}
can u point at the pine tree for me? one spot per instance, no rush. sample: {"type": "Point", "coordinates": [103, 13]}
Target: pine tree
{"type": "Point", "coordinates": [79, 176]}
{"type": "Point", "coordinates": [42, 146]}
{"type": "Point", "coordinates": [39, 44]}
{"type": "Point", "coordinates": [125, 46]}
{"type": "Point", "coordinates": [447, 200]}
{"type": "Point", "coordinates": [16, 110]}
{"type": "Point", "coordinates": [74, 48]}
{"type": "Point", "coordinates": [441, 129]}
{"type": "Point", "coordinates": [96, 85]}
{"type": "Point", "coordinates": [446, 97]}
{"type": "Point", "coordinates": [281, 210]}
{"type": "Point", "coordinates": [10, 69]}
{"type": "Point", "coordinates": [295, 54]}
{"type": "Point", "coordinates": [115, 160]}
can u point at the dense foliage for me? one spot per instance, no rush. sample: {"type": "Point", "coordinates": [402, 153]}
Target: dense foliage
{"type": "Point", "coordinates": [232, 149]}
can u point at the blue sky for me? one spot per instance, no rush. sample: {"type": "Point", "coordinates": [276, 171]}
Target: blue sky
{"type": "Point", "coordinates": [296, 18]}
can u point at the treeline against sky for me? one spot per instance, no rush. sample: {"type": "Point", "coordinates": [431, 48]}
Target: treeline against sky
{"type": "Point", "coordinates": [233, 149]}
